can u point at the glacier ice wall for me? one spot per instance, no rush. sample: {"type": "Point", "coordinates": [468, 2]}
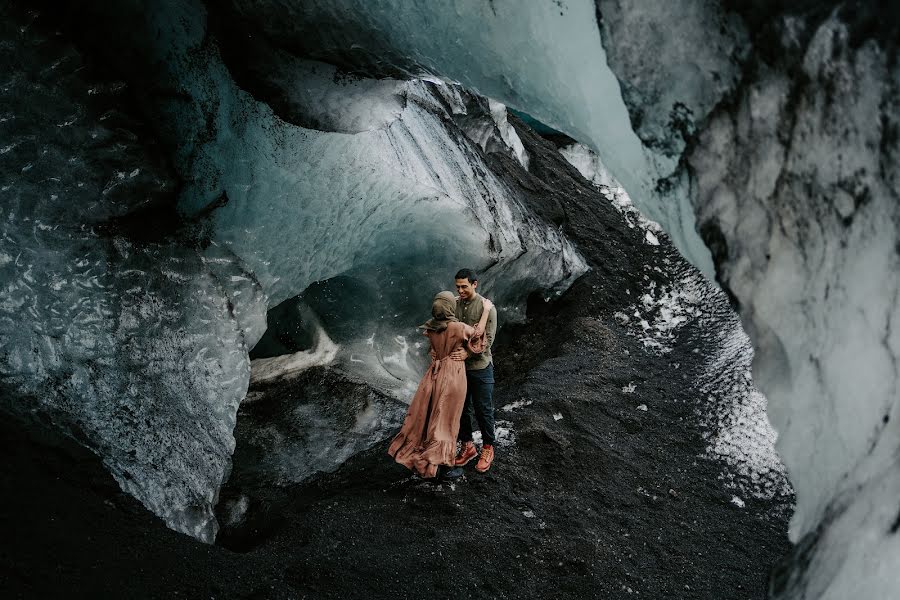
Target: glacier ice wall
{"type": "Point", "coordinates": [567, 86]}
{"type": "Point", "coordinates": [799, 181]}
{"type": "Point", "coordinates": [395, 198]}
{"type": "Point", "coordinates": [794, 180]}
{"type": "Point", "coordinates": [128, 342]}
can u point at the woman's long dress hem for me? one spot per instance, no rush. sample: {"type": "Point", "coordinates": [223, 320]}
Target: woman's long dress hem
{"type": "Point", "coordinates": [427, 438]}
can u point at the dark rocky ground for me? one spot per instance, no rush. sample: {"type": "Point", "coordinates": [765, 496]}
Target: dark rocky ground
{"type": "Point", "coordinates": [606, 502]}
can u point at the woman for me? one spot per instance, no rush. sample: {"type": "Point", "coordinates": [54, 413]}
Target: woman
{"type": "Point", "coordinates": [428, 436]}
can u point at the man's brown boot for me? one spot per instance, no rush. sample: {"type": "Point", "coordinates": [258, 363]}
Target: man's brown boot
{"type": "Point", "coordinates": [487, 457]}
{"type": "Point", "coordinates": [466, 454]}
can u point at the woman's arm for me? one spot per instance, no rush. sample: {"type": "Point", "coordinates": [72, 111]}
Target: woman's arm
{"type": "Point", "coordinates": [431, 351]}
{"type": "Point", "coordinates": [461, 353]}
{"type": "Point", "coordinates": [485, 313]}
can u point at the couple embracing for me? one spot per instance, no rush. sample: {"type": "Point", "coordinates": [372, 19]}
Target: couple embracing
{"type": "Point", "coordinates": [457, 388]}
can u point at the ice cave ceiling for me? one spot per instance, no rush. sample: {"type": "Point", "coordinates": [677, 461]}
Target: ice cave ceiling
{"type": "Point", "coordinates": [309, 143]}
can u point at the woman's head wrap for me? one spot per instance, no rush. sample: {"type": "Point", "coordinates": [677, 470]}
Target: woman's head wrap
{"type": "Point", "coordinates": [443, 312]}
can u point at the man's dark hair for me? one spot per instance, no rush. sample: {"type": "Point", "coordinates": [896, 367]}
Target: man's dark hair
{"type": "Point", "coordinates": [467, 274]}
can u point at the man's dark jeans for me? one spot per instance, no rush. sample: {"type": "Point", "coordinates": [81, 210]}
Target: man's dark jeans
{"type": "Point", "coordinates": [479, 405]}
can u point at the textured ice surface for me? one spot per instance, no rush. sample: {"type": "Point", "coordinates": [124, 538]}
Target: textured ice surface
{"type": "Point", "coordinates": [307, 206]}
{"type": "Point", "coordinates": [545, 58]}
{"type": "Point", "coordinates": [290, 428]}
{"type": "Point", "coordinates": [318, 96]}
{"type": "Point", "coordinates": [130, 345]}
{"type": "Point", "coordinates": [733, 409]}
{"type": "Point", "coordinates": [697, 52]}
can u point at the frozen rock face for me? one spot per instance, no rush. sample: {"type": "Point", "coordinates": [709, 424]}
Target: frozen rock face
{"type": "Point", "coordinates": [797, 186]}
{"type": "Point", "coordinates": [119, 331]}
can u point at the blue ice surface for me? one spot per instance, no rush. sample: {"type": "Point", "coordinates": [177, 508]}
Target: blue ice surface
{"type": "Point", "coordinates": [536, 125]}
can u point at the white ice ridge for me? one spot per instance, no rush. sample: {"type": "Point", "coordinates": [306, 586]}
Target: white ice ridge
{"type": "Point", "coordinates": [323, 353]}
{"type": "Point", "coordinates": [508, 132]}
{"type": "Point", "coordinates": [592, 168]}
{"type": "Point", "coordinates": [589, 165]}
{"type": "Point", "coordinates": [491, 131]}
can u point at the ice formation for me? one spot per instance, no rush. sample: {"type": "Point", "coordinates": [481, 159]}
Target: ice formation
{"type": "Point", "coordinates": [795, 185]}
{"type": "Point", "coordinates": [291, 428]}
{"type": "Point", "coordinates": [778, 130]}
{"type": "Point", "coordinates": [734, 411]}
{"type": "Point", "coordinates": [132, 346]}
{"type": "Point", "coordinates": [489, 126]}
{"type": "Point", "coordinates": [322, 353]}
{"type": "Point", "coordinates": [591, 167]}
{"type": "Point", "coordinates": [798, 183]}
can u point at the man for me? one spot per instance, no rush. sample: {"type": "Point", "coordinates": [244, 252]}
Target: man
{"type": "Point", "coordinates": [479, 375]}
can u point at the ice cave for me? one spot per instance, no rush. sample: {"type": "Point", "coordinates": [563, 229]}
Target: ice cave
{"type": "Point", "coordinates": [222, 222]}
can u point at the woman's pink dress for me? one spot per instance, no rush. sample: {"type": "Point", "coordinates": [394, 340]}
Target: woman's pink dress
{"type": "Point", "coordinates": [428, 436]}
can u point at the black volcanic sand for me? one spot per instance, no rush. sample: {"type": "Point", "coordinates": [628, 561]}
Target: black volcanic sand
{"type": "Point", "coordinates": [606, 502]}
